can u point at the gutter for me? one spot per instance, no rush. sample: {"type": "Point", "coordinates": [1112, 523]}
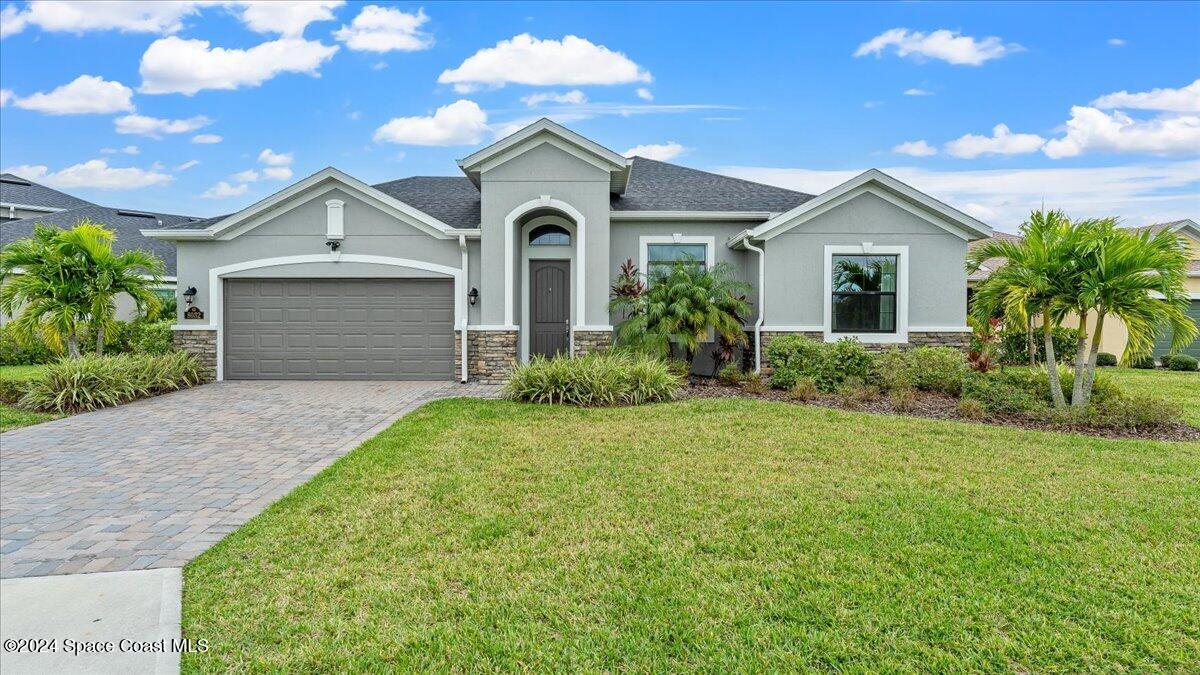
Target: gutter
{"type": "Point", "coordinates": [762, 295]}
{"type": "Point", "coordinates": [462, 376]}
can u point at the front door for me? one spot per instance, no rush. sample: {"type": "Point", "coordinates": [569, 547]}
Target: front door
{"type": "Point", "coordinates": [549, 307]}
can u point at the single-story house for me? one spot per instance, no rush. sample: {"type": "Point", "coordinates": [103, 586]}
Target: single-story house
{"type": "Point", "coordinates": [1114, 337]}
{"type": "Point", "coordinates": [462, 277]}
{"type": "Point", "coordinates": [33, 203]}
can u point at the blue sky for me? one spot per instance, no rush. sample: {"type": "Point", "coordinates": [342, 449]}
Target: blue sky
{"type": "Point", "coordinates": [1100, 102]}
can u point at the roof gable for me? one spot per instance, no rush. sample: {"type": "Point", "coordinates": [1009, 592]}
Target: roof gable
{"type": "Point", "coordinates": [541, 132]}
{"type": "Point", "coordinates": [890, 189]}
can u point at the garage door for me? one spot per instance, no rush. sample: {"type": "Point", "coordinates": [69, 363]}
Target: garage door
{"type": "Point", "coordinates": [1162, 343]}
{"type": "Point", "coordinates": [339, 329]}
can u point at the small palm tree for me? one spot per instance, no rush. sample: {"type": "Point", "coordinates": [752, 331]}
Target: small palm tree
{"type": "Point", "coordinates": [679, 308]}
{"type": "Point", "coordinates": [1038, 273]}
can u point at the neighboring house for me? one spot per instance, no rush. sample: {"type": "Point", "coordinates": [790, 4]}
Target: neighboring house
{"type": "Point", "coordinates": [1114, 337]}
{"type": "Point", "coordinates": [126, 224]}
{"type": "Point", "coordinates": [20, 198]}
{"type": "Point", "coordinates": [461, 277]}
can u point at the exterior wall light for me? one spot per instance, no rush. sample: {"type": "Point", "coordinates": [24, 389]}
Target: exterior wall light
{"type": "Point", "coordinates": [333, 244]}
{"type": "Point", "coordinates": [473, 296]}
{"type": "Point", "coordinates": [189, 295]}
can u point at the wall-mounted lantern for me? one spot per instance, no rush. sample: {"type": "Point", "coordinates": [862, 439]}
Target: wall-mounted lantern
{"type": "Point", "coordinates": [473, 296]}
{"type": "Point", "coordinates": [189, 296]}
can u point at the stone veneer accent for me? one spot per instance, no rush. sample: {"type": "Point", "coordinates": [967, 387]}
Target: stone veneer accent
{"type": "Point", "coordinates": [922, 339]}
{"type": "Point", "coordinates": [491, 355]}
{"type": "Point", "coordinates": [591, 340]}
{"type": "Point", "coordinates": [201, 344]}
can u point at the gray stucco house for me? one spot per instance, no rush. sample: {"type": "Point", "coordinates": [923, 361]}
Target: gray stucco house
{"type": "Point", "coordinates": [461, 277]}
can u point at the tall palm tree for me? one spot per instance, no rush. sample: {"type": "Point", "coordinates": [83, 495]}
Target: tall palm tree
{"type": "Point", "coordinates": [680, 306]}
{"type": "Point", "coordinates": [1137, 278]}
{"type": "Point", "coordinates": [109, 274]}
{"type": "Point", "coordinates": [1037, 275]}
{"type": "Point", "coordinates": [42, 285]}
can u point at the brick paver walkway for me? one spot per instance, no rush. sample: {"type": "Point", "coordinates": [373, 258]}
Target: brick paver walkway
{"type": "Point", "coordinates": [156, 482]}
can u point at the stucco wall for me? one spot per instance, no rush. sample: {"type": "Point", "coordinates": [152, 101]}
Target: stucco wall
{"type": "Point", "coordinates": [544, 171]}
{"type": "Point", "coordinates": [796, 265]}
{"type": "Point", "coordinates": [302, 231]}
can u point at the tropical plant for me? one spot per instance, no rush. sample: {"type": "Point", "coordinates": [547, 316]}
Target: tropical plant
{"type": "Point", "coordinates": [679, 308]}
{"type": "Point", "coordinates": [596, 379]}
{"type": "Point", "coordinates": [984, 348]}
{"type": "Point", "coordinates": [1039, 272]}
{"type": "Point", "coordinates": [90, 382]}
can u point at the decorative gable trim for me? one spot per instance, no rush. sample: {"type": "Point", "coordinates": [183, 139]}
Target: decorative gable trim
{"type": "Point", "coordinates": [541, 132]}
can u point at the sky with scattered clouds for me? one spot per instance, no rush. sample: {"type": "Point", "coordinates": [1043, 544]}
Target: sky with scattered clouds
{"type": "Point", "coordinates": [201, 108]}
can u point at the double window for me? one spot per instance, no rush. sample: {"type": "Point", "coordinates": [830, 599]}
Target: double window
{"type": "Point", "coordinates": [864, 293]}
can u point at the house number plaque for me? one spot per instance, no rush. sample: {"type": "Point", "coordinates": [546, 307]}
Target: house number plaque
{"type": "Point", "coordinates": [193, 313]}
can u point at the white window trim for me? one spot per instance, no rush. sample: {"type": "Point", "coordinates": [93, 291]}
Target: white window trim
{"type": "Point", "coordinates": [867, 248]}
{"type": "Point", "coordinates": [710, 244]}
{"type": "Point", "coordinates": [335, 219]}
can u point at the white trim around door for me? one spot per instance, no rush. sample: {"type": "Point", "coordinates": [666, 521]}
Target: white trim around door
{"type": "Point", "coordinates": [543, 202]}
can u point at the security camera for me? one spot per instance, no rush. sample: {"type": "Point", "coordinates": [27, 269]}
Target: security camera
{"type": "Point", "coordinates": [333, 244]}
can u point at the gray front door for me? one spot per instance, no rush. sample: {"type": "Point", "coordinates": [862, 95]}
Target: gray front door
{"type": "Point", "coordinates": [339, 329]}
{"type": "Point", "coordinates": [549, 306]}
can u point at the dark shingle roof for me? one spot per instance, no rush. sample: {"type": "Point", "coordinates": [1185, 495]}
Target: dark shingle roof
{"type": "Point", "coordinates": [126, 226]}
{"type": "Point", "coordinates": [21, 191]}
{"type": "Point", "coordinates": [991, 264]}
{"type": "Point", "coordinates": [659, 186]}
{"type": "Point", "coordinates": [454, 200]}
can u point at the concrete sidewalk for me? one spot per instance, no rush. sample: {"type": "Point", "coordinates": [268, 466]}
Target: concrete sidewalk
{"type": "Point", "coordinates": [132, 617]}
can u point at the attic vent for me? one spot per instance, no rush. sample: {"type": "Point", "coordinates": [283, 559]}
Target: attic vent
{"type": "Point", "coordinates": [15, 181]}
{"type": "Point", "coordinates": [137, 214]}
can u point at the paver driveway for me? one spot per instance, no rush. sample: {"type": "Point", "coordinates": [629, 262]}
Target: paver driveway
{"type": "Point", "coordinates": [156, 482]}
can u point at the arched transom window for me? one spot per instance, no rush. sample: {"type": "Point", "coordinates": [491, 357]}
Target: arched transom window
{"type": "Point", "coordinates": [549, 235]}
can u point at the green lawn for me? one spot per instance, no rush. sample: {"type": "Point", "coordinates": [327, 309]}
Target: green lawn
{"type": "Point", "coordinates": [713, 535]}
{"type": "Point", "coordinates": [1183, 388]}
{"type": "Point", "coordinates": [10, 417]}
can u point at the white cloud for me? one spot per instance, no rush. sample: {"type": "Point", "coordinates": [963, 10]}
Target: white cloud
{"type": "Point", "coordinates": [223, 190]}
{"type": "Point", "coordinates": [288, 19]}
{"type": "Point", "coordinates": [128, 150]}
{"type": "Point", "coordinates": [379, 65]}
{"type": "Point", "coordinates": [573, 97]}
{"type": "Point", "coordinates": [247, 176]}
{"type": "Point", "coordinates": [384, 29]}
{"type": "Point", "coordinates": [78, 16]}
{"type": "Point", "coordinates": [460, 123]}
{"type": "Point", "coordinates": [269, 157]}
{"type": "Point", "coordinates": [1001, 142]}
{"type": "Point", "coordinates": [187, 165]}
{"type": "Point", "coordinates": [644, 94]}
{"type": "Point", "coordinates": [528, 60]}
{"type": "Point", "coordinates": [661, 151]}
{"type": "Point", "coordinates": [917, 91]}
{"type": "Point", "coordinates": [872, 104]}
{"type": "Point", "coordinates": [1092, 130]}
{"type": "Point", "coordinates": [94, 173]}
{"type": "Point", "coordinates": [6, 95]}
{"type": "Point", "coordinates": [85, 94]}
{"type": "Point", "coordinates": [1116, 42]}
{"type": "Point", "coordinates": [174, 65]}
{"type": "Point", "coordinates": [207, 139]}
{"type": "Point", "coordinates": [915, 148]}
{"type": "Point", "coordinates": [946, 45]}
{"type": "Point", "coordinates": [1186, 99]}
{"type": "Point", "coordinates": [277, 172]}
{"type": "Point", "coordinates": [154, 127]}
{"type": "Point", "coordinates": [1140, 194]}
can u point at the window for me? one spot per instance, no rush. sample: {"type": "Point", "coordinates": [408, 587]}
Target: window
{"type": "Point", "coordinates": [864, 293]}
{"type": "Point", "coordinates": [549, 235]}
{"type": "Point", "coordinates": [660, 258]}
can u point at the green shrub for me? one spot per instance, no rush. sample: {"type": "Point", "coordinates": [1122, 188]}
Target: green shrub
{"type": "Point", "coordinates": [827, 364]}
{"type": "Point", "coordinates": [1181, 362]}
{"type": "Point", "coordinates": [1143, 363]}
{"type": "Point", "coordinates": [939, 369]}
{"type": "Point", "coordinates": [790, 356]}
{"type": "Point", "coordinates": [731, 375]}
{"type": "Point", "coordinates": [1005, 392]}
{"type": "Point", "coordinates": [971, 409]}
{"type": "Point", "coordinates": [1132, 411]}
{"type": "Point", "coordinates": [904, 399]}
{"type": "Point", "coordinates": [598, 379]}
{"type": "Point", "coordinates": [1106, 360]}
{"type": "Point", "coordinates": [805, 389]}
{"type": "Point", "coordinates": [14, 353]}
{"type": "Point", "coordinates": [90, 382]}
{"type": "Point", "coordinates": [13, 387]}
{"type": "Point", "coordinates": [151, 337]}
{"type": "Point", "coordinates": [855, 392]}
{"type": "Point", "coordinates": [754, 385]}
{"type": "Point", "coordinates": [891, 370]}
{"type": "Point", "coordinates": [1013, 349]}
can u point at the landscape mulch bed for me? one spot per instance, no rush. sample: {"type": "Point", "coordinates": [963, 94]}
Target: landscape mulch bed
{"type": "Point", "coordinates": [937, 406]}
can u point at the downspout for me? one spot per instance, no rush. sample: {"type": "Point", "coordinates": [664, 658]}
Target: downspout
{"type": "Point", "coordinates": [462, 376]}
{"type": "Point", "coordinates": [762, 295]}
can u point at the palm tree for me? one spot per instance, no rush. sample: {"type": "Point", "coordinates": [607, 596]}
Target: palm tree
{"type": "Point", "coordinates": [42, 285]}
{"type": "Point", "coordinates": [679, 308]}
{"type": "Point", "coordinates": [1035, 278]}
{"type": "Point", "coordinates": [1137, 278]}
{"type": "Point", "coordinates": [109, 274]}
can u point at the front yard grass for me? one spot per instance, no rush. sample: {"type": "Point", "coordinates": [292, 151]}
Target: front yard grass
{"type": "Point", "coordinates": [12, 418]}
{"type": "Point", "coordinates": [1182, 388]}
{"type": "Point", "coordinates": [713, 535]}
